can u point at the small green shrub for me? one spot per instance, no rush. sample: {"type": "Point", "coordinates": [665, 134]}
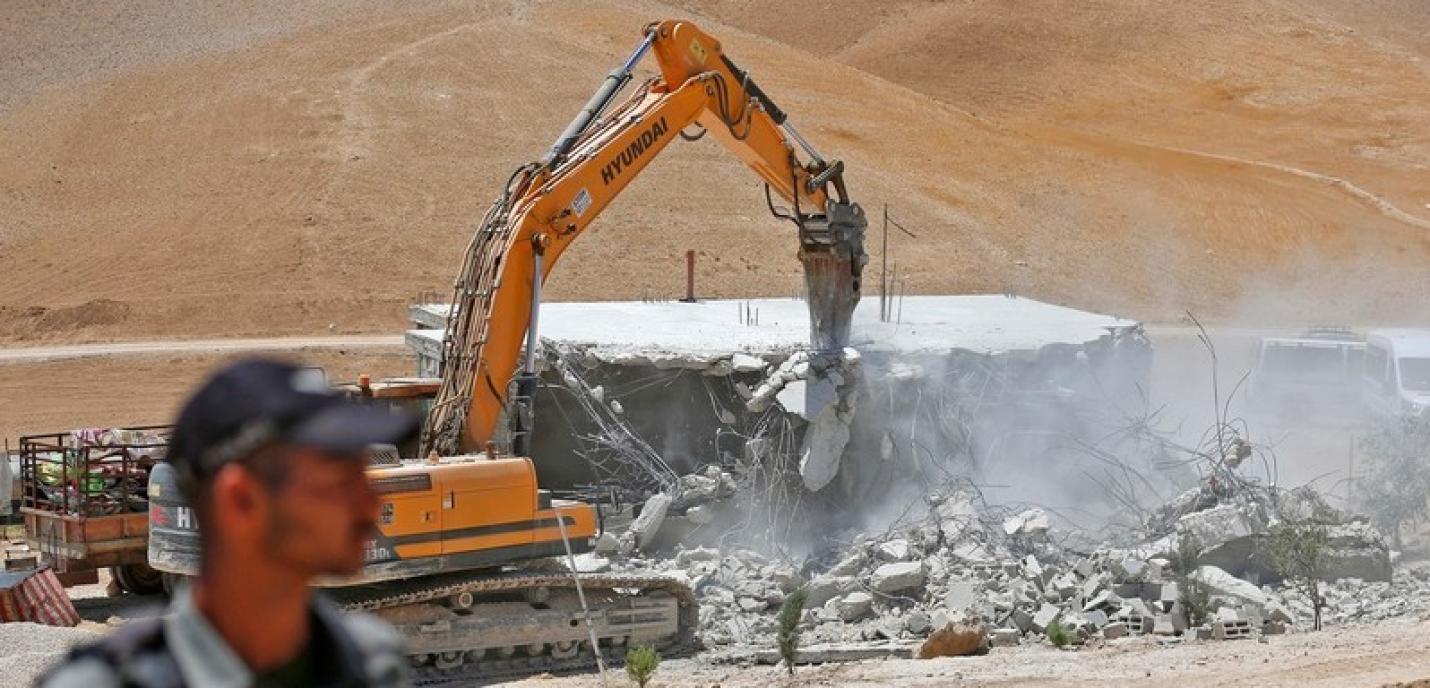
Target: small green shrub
{"type": "Point", "coordinates": [1301, 553]}
{"type": "Point", "coordinates": [788, 636]}
{"type": "Point", "coordinates": [1058, 634]}
{"type": "Point", "coordinates": [1196, 601]}
{"type": "Point", "coordinates": [641, 663]}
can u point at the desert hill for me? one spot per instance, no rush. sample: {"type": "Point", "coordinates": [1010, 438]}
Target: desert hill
{"type": "Point", "coordinates": [265, 169]}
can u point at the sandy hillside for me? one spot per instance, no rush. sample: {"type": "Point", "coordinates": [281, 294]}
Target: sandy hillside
{"type": "Point", "coordinates": [266, 170]}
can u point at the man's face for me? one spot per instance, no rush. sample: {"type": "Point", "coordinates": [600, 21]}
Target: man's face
{"type": "Point", "coordinates": [323, 515]}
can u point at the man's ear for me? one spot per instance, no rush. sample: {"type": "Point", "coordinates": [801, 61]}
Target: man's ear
{"type": "Point", "coordinates": [239, 498]}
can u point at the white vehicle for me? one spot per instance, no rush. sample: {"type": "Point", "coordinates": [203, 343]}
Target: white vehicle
{"type": "Point", "coordinates": [1312, 378]}
{"type": "Point", "coordinates": [1397, 372]}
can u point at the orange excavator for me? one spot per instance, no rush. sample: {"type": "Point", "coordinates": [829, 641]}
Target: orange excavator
{"type": "Point", "coordinates": [462, 560]}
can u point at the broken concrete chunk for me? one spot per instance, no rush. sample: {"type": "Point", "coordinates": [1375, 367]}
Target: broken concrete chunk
{"type": "Point", "coordinates": [1031, 568]}
{"type": "Point", "coordinates": [855, 606]}
{"type": "Point", "coordinates": [700, 515]}
{"type": "Point", "coordinates": [826, 588]}
{"type": "Point", "coordinates": [1104, 600]}
{"type": "Point", "coordinates": [750, 604]}
{"type": "Point", "coordinates": [893, 550]}
{"type": "Point", "coordinates": [1030, 522]}
{"type": "Point", "coordinates": [592, 563]}
{"type": "Point", "coordinates": [1220, 582]}
{"type": "Point", "coordinates": [1128, 568]}
{"type": "Point", "coordinates": [898, 577]}
{"type": "Point", "coordinates": [647, 524]}
{"type": "Point", "coordinates": [851, 565]}
{"type": "Point", "coordinates": [687, 557]}
{"type": "Point", "coordinates": [607, 544]}
{"type": "Point", "coordinates": [824, 442]}
{"type": "Point", "coordinates": [745, 363]}
{"type": "Point", "coordinates": [1065, 584]}
{"type": "Point", "coordinates": [1046, 615]}
{"type": "Point", "coordinates": [1357, 551]}
{"type": "Point", "coordinates": [1005, 637]}
{"type": "Point", "coordinates": [960, 596]}
{"type": "Point", "coordinates": [1170, 593]}
{"type": "Point", "coordinates": [1114, 630]}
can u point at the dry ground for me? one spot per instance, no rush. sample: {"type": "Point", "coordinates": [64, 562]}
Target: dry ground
{"type": "Point", "coordinates": [271, 168]}
{"type": "Point", "coordinates": [1373, 656]}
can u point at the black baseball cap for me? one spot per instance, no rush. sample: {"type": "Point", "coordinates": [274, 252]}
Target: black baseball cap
{"type": "Point", "coordinates": [256, 402]}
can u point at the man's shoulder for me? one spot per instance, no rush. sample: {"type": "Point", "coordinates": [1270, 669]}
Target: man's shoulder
{"type": "Point", "coordinates": [134, 654]}
{"type": "Point", "coordinates": [84, 672]}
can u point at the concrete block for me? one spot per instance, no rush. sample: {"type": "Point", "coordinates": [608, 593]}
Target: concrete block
{"type": "Point", "coordinates": [607, 544]}
{"type": "Point", "coordinates": [826, 588]}
{"type": "Point", "coordinates": [893, 550]}
{"type": "Point", "coordinates": [1096, 618]}
{"type": "Point", "coordinates": [960, 596]}
{"type": "Point", "coordinates": [898, 577]}
{"type": "Point", "coordinates": [647, 524]}
{"type": "Point", "coordinates": [1005, 637]}
{"type": "Point", "coordinates": [1023, 620]}
{"type": "Point", "coordinates": [854, 606]}
{"type": "Point", "coordinates": [1135, 624]}
{"type": "Point", "coordinates": [918, 623]}
{"type": "Point", "coordinates": [1128, 568]}
{"type": "Point", "coordinates": [1032, 569]}
{"type": "Point", "coordinates": [851, 565]}
{"type": "Point", "coordinates": [1127, 591]}
{"type": "Point", "coordinates": [1065, 584]}
{"type": "Point", "coordinates": [1046, 615]}
{"type": "Point", "coordinates": [1030, 522]}
{"type": "Point", "coordinates": [1105, 600]}
{"type": "Point", "coordinates": [1169, 592]}
{"type": "Point", "coordinates": [1273, 628]}
{"type": "Point", "coordinates": [1231, 630]}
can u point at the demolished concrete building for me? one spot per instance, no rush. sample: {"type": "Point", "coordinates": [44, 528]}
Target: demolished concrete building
{"type": "Point", "coordinates": [956, 385]}
{"type": "Point", "coordinates": [901, 517]}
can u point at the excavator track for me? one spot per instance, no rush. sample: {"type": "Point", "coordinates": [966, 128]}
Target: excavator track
{"type": "Point", "coordinates": [474, 628]}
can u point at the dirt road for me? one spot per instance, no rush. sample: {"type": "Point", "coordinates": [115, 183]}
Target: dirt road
{"type": "Point", "coordinates": [37, 354]}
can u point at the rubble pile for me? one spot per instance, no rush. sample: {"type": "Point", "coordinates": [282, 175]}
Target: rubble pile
{"type": "Point", "coordinates": [960, 568]}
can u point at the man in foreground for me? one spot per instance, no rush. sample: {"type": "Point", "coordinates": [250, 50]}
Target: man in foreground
{"type": "Point", "coordinates": [273, 463]}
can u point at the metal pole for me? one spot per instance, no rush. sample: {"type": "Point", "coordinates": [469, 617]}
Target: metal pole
{"type": "Point", "coordinates": [884, 270]}
{"type": "Point", "coordinates": [581, 595]}
{"type": "Point", "coordinates": [689, 277]}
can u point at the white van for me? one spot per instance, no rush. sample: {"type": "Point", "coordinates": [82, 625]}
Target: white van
{"type": "Point", "coordinates": [1313, 378]}
{"type": "Point", "coordinates": [1397, 372]}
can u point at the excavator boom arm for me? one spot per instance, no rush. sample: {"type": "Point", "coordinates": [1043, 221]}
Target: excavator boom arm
{"type": "Point", "coordinates": [546, 205]}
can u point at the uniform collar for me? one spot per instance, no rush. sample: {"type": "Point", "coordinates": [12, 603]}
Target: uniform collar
{"type": "Point", "coordinates": [206, 659]}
